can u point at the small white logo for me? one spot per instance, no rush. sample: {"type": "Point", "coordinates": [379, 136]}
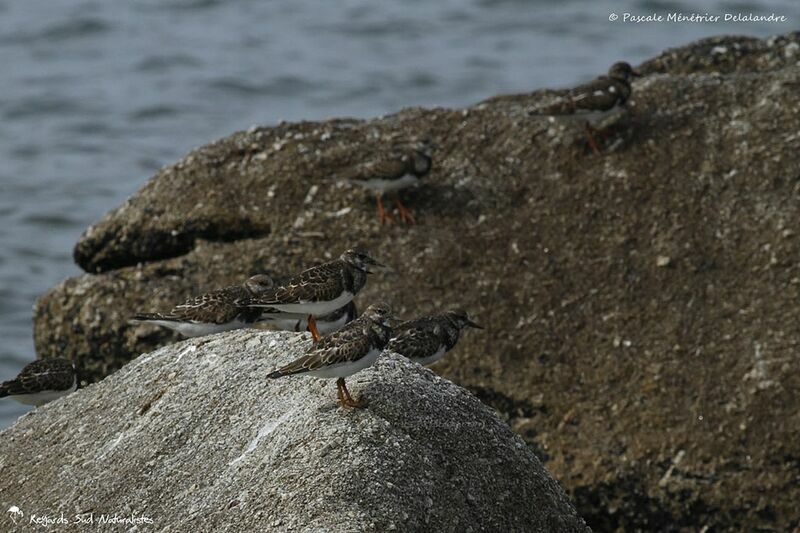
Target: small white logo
{"type": "Point", "coordinates": [15, 513]}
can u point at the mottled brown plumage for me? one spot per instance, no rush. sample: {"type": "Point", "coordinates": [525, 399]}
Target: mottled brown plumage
{"type": "Point", "coordinates": [426, 339]}
{"type": "Point", "coordinates": [391, 167]}
{"type": "Point", "coordinates": [391, 173]}
{"type": "Point", "coordinates": [323, 282]}
{"type": "Point", "coordinates": [346, 351]}
{"type": "Point", "coordinates": [214, 311]}
{"type": "Point", "coordinates": [41, 381]}
{"type": "Point", "coordinates": [592, 101]}
{"type": "Point", "coordinates": [321, 289]}
{"type": "Point", "coordinates": [601, 94]}
{"type": "Point", "coordinates": [605, 92]}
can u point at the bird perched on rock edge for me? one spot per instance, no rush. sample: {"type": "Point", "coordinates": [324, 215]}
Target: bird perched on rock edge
{"type": "Point", "coordinates": [597, 97]}
{"type": "Point", "coordinates": [343, 353]}
{"type": "Point", "coordinates": [215, 311]}
{"type": "Point", "coordinates": [426, 339]}
{"type": "Point", "coordinates": [41, 381]}
{"type": "Point", "coordinates": [322, 289]}
{"type": "Point", "coordinates": [391, 174]}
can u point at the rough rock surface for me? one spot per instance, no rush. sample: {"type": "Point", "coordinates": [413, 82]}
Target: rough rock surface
{"type": "Point", "coordinates": [641, 306]}
{"type": "Point", "coordinates": [193, 437]}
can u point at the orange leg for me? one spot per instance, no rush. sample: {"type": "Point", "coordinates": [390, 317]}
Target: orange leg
{"type": "Point", "coordinates": [383, 214]}
{"type": "Point", "coordinates": [405, 213]}
{"type": "Point", "coordinates": [312, 327]}
{"type": "Point", "coordinates": [339, 392]}
{"type": "Point", "coordinates": [590, 137]}
{"type": "Point", "coordinates": [346, 400]}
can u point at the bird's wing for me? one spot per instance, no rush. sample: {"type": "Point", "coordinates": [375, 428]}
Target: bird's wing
{"type": "Point", "coordinates": [350, 332]}
{"type": "Point", "coordinates": [217, 307]}
{"type": "Point", "coordinates": [322, 282]}
{"type": "Point", "coordinates": [416, 341]}
{"type": "Point", "coordinates": [348, 351]}
{"type": "Point", "coordinates": [387, 168]}
{"type": "Point", "coordinates": [347, 344]}
{"type": "Point", "coordinates": [41, 375]}
{"type": "Point", "coordinates": [598, 95]}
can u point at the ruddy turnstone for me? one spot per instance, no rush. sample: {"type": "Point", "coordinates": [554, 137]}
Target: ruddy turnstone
{"type": "Point", "coordinates": [591, 100]}
{"type": "Point", "coordinates": [322, 289]}
{"type": "Point", "coordinates": [345, 352]}
{"type": "Point", "coordinates": [605, 92]}
{"type": "Point", "coordinates": [299, 322]}
{"type": "Point", "coordinates": [425, 340]}
{"type": "Point", "coordinates": [215, 311]}
{"type": "Point", "coordinates": [391, 174]}
{"type": "Point", "coordinates": [41, 381]}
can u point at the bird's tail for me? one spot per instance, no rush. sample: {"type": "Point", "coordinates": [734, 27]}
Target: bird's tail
{"type": "Point", "coordinates": [297, 366]}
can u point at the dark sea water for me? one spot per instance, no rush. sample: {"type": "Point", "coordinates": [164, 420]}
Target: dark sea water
{"type": "Point", "coordinates": [96, 96]}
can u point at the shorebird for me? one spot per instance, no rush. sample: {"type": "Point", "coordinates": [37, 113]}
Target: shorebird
{"type": "Point", "coordinates": [345, 352]}
{"type": "Point", "coordinates": [322, 289]}
{"type": "Point", "coordinates": [215, 311]}
{"type": "Point", "coordinates": [41, 381]}
{"type": "Point", "coordinates": [426, 339]}
{"type": "Point", "coordinates": [299, 322]}
{"type": "Point", "coordinates": [391, 174]}
{"type": "Point", "coordinates": [595, 99]}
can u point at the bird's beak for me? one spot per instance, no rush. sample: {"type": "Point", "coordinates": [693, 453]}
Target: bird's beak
{"type": "Point", "coordinates": [472, 324]}
{"type": "Point", "coordinates": [378, 267]}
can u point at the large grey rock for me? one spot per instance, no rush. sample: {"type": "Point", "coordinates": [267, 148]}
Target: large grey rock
{"type": "Point", "coordinates": [194, 438]}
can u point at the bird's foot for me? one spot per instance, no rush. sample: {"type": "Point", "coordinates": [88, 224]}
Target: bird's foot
{"type": "Point", "coordinates": [347, 401]}
{"type": "Point", "coordinates": [405, 214]}
{"type": "Point", "coordinates": [383, 215]}
{"type": "Point", "coordinates": [350, 403]}
{"type": "Point", "coordinates": [590, 137]}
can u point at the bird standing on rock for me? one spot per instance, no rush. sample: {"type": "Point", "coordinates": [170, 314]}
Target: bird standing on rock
{"type": "Point", "coordinates": [605, 92]}
{"type": "Point", "coordinates": [41, 381]}
{"type": "Point", "coordinates": [321, 289]}
{"type": "Point", "coordinates": [426, 339]}
{"type": "Point", "coordinates": [216, 311]}
{"type": "Point", "coordinates": [391, 174]}
{"type": "Point", "coordinates": [597, 97]}
{"type": "Point", "coordinates": [343, 353]}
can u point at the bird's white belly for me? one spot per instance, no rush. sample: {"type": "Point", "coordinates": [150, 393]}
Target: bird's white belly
{"type": "Point", "coordinates": [299, 322]}
{"type": "Point", "coordinates": [316, 308]}
{"type": "Point", "coordinates": [435, 356]}
{"type": "Point", "coordinates": [344, 370]}
{"type": "Point", "coordinates": [192, 329]}
{"type": "Point", "coordinates": [383, 186]}
{"type": "Point", "coordinates": [41, 398]}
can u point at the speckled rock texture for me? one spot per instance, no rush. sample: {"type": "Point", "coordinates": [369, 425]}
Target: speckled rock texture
{"type": "Point", "coordinates": [641, 305]}
{"type": "Point", "coordinates": [195, 438]}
